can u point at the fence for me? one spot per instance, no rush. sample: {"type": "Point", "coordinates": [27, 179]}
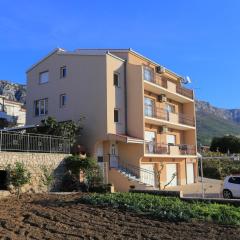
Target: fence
{"type": "Point", "coordinates": [28, 142]}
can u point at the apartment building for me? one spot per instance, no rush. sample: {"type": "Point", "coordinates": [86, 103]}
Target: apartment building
{"type": "Point", "coordinates": [139, 119]}
{"type": "Point", "coordinates": [12, 111]}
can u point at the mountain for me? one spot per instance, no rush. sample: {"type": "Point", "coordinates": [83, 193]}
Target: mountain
{"type": "Point", "coordinates": [13, 91]}
{"type": "Point", "coordinates": [215, 122]}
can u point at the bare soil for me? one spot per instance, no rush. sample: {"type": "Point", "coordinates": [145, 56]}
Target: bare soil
{"type": "Point", "coordinates": [63, 217]}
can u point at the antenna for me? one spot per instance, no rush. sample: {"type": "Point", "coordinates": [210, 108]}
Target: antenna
{"type": "Point", "coordinates": [186, 80]}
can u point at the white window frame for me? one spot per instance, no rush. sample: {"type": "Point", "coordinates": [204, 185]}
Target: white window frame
{"type": "Point", "coordinates": [145, 68]}
{"type": "Point", "coordinates": [118, 110]}
{"type": "Point", "coordinates": [118, 82]}
{"type": "Point", "coordinates": [61, 102]}
{"type": "Point", "coordinates": [37, 103]}
{"type": "Point", "coordinates": [45, 80]}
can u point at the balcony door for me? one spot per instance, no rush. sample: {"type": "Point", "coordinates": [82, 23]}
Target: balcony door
{"type": "Point", "coordinates": [148, 107]}
{"type": "Point", "coordinates": [150, 141]}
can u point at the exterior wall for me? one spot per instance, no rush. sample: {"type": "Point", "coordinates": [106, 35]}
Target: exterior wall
{"type": "Point", "coordinates": [115, 96]}
{"type": "Point", "coordinates": [34, 162]}
{"type": "Point", "coordinates": [181, 168]}
{"type": "Point", "coordinates": [85, 89]}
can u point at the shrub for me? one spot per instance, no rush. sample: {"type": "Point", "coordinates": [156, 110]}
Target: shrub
{"type": "Point", "coordinates": [47, 176]}
{"type": "Point", "coordinates": [88, 167]}
{"type": "Point", "coordinates": [18, 176]}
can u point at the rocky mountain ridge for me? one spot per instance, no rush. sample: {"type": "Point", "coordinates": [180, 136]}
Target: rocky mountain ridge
{"type": "Point", "coordinates": [13, 91]}
{"type": "Point", "coordinates": [227, 114]}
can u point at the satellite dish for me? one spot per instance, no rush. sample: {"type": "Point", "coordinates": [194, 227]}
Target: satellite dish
{"type": "Point", "coordinates": [186, 80]}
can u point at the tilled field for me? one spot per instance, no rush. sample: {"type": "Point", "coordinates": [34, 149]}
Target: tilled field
{"type": "Point", "coordinates": [62, 217]}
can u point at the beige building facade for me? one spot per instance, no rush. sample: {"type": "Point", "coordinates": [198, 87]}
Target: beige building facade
{"type": "Point", "coordinates": [139, 119]}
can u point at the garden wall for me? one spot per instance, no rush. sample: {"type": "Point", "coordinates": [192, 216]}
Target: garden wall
{"type": "Point", "coordinates": [34, 163]}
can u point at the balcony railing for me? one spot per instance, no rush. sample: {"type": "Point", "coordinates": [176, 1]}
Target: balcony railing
{"type": "Point", "coordinates": [184, 91]}
{"type": "Point", "coordinates": [163, 114]}
{"type": "Point", "coordinates": [169, 149]}
{"type": "Point", "coordinates": [163, 82]}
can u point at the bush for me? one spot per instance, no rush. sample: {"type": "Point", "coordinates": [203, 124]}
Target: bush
{"type": "Point", "coordinates": [18, 176]}
{"type": "Point", "coordinates": [167, 208]}
{"type": "Point", "coordinates": [89, 168]}
{"type": "Point", "coordinates": [220, 168]}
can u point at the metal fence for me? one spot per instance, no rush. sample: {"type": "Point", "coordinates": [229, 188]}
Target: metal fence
{"type": "Point", "coordinates": [29, 142]}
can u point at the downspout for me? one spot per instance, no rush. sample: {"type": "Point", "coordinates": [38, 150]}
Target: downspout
{"type": "Point", "coordinates": [125, 96]}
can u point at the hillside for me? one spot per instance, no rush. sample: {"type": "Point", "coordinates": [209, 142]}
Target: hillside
{"type": "Point", "coordinates": [13, 91]}
{"type": "Point", "coordinates": [215, 122]}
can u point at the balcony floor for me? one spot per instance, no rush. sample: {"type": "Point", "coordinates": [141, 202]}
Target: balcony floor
{"type": "Point", "coordinates": [152, 87]}
{"type": "Point", "coordinates": [161, 122]}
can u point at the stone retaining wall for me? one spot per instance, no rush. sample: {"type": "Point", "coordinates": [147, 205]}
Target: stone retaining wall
{"type": "Point", "coordinates": [34, 163]}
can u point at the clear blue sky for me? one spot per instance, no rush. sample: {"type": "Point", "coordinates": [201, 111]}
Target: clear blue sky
{"type": "Point", "coordinates": [200, 39]}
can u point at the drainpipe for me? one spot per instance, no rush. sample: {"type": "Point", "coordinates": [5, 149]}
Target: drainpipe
{"type": "Point", "coordinates": [125, 96]}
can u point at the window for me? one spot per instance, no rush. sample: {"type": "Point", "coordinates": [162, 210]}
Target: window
{"type": "Point", "coordinates": [148, 107]}
{"type": "Point", "coordinates": [41, 107]}
{"type": "Point", "coordinates": [63, 100]}
{"type": "Point", "coordinates": [116, 115]}
{"type": "Point", "coordinates": [170, 108]}
{"type": "Point", "coordinates": [43, 77]}
{"type": "Point", "coordinates": [171, 139]}
{"type": "Point", "coordinates": [235, 180]}
{"type": "Point", "coordinates": [63, 72]}
{"type": "Point", "coordinates": [116, 79]}
{"type": "Point", "coordinates": [148, 74]}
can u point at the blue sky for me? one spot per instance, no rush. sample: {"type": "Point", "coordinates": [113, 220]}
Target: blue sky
{"type": "Point", "coordinates": [200, 39]}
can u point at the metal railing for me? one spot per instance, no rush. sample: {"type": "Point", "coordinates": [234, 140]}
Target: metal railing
{"type": "Point", "coordinates": [142, 175]}
{"type": "Point", "coordinates": [184, 91]}
{"type": "Point", "coordinates": [159, 148]}
{"type": "Point", "coordinates": [163, 114]}
{"type": "Point", "coordinates": [163, 82]}
{"type": "Point", "coordinates": [29, 142]}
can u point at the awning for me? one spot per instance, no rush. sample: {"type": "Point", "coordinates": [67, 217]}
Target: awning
{"type": "Point", "coordinates": [125, 138]}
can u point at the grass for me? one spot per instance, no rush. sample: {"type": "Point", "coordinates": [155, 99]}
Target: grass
{"type": "Point", "coordinates": [167, 208]}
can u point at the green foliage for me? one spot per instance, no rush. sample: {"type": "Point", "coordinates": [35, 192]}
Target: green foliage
{"type": "Point", "coordinates": [209, 126]}
{"type": "Point", "coordinates": [68, 129]}
{"type": "Point", "coordinates": [226, 144]}
{"type": "Point", "coordinates": [167, 208]}
{"type": "Point", "coordinates": [47, 176]}
{"type": "Point", "coordinates": [18, 175]}
{"type": "Point", "coordinates": [87, 166]}
{"type": "Point", "coordinates": [220, 168]}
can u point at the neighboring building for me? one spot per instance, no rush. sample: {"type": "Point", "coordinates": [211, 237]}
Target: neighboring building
{"type": "Point", "coordinates": [139, 118]}
{"type": "Point", "coordinates": [13, 112]}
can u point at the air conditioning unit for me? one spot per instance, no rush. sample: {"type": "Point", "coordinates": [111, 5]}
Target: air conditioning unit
{"type": "Point", "coordinates": [160, 69]}
{"type": "Point", "coordinates": [162, 98]}
{"type": "Point", "coordinates": [163, 129]}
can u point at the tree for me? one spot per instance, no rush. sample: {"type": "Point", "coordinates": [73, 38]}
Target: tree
{"type": "Point", "coordinates": [68, 129]}
{"type": "Point", "coordinates": [18, 176]}
{"type": "Point", "coordinates": [226, 144]}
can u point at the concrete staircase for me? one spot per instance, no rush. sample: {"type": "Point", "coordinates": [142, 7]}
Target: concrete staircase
{"type": "Point", "coordinates": [126, 175]}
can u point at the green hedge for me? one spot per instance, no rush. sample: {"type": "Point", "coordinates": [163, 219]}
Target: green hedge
{"type": "Point", "coordinates": [167, 208]}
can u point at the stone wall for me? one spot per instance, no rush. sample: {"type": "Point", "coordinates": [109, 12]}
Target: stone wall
{"type": "Point", "coordinates": [34, 163]}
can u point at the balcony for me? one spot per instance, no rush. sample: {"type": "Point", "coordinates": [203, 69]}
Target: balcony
{"type": "Point", "coordinates": [166, 116]}
{"type": "Point", "coordinates": [169, 149]}
{"type": "Point", "coordinates": [171, 89]}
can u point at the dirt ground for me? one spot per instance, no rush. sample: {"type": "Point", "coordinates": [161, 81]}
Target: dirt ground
{"type": "Point", "coordinates": [63, 217]}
